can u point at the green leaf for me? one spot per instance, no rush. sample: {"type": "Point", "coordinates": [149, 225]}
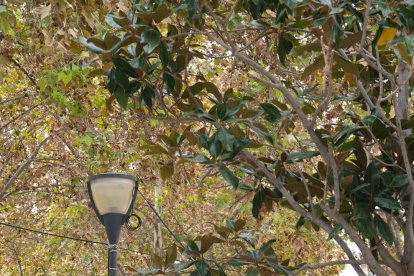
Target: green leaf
{"type": "Point", "coordinates": [262, 133]}
{"type": "Point", "coordinates": [364, 226]}
{"type": "Point", "coordinates": [272, 111]}
{"type": "Point", "coordinates": [257, 202]}
{"type": "Point", "coordinates": [285, 46]}
{"type": "Point", "coordinates": [372, 175]}
{"type": "Point", "coordinates": [399, 181]}
{"type": "Point", "coordinates": [117, 79]}
{"type": "Point", "coordinates": [198, 159]}
{"type": "Point", "coordinates": [201, 114]}
{"type": "Point", "coordinates": [121, 97]}
{"type": "Point", "coordinates": [124, 65]}
{"type": "Point", "coordinates": [147, 95]}
{"type": "Point", "coordinates": [152, 39]}
{"type": "Point", "coordinates": [267, 249]}
{"type": "Point", "coordinates": [383, 6]}
{"type": "Point", "coordinates": [226, 138]}
{"type": "Point", "coordinates": [229, 177]}
{"type": "Point", "coordinates": [298, 156]}
{"type": "Point", "coordinates": [169, 81]}
{"type": "Point", "coordinates": [164, 55]}
{"type": "Point", "coordinates": [383, 229]}
{"type": "Point", "coordinates": [181, 266]}
{"type": "Point", "coordinates": [221, 110]}
{"type": "Point", "coordinates": [202, 268]}
{"type": "Point", "coordinates": [91, 46]}
{"type": "Point", "coordinates": [387, 203]}
{"type": "Point", "coordinates": [238, 262]}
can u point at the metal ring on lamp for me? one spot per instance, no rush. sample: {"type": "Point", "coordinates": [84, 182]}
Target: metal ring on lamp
{"type": "Point", "coordinates": [129, 227]}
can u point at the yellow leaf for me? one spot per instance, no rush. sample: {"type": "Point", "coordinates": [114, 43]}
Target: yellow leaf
{"type": "Point", "coordinates": [386, 36]}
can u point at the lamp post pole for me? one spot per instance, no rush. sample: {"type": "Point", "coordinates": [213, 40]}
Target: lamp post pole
{"type": "Point", "coordinates": [112, 267]}
{"type": "Point", "coordinates": [112, 196]}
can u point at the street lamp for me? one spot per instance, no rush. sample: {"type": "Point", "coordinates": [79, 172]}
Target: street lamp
{"type": "Point", "coordinates": [112, 196]}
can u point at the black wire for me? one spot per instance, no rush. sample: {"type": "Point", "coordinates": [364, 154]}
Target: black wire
{"type": "Point", "coordinates": [66, 237]}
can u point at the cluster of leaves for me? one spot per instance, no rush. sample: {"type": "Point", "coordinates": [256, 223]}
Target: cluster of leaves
{"type": "Point", "coordinates": [198, 254]}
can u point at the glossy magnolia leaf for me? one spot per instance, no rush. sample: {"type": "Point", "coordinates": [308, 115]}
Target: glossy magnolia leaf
{"type": "Point", "coordinates": [360, 153]}
{"type": "Point", "coordinates": [147, 95]}
{"type": "Point", "coordinates": [226, 138]}
{"type": "Point", "coordinates": [399, 181]}
{"type": "Point", "coordinates": [203, 269]}
{"type": "Point", "coordinates": [298, 156]}
{"type": "Point", "coordinates": [164, 55]}
{"type": "Point", "coordinates": [267, 250]}
{"type": "Point", "coordinates": [262, 131]}
{"type": "Point", "coordinates": [407, 15]}
{"type": "Point", "coordinates": [121, 97]}
{"type": "Point", "coordinates": [284, 48]}
{"type": "Point", "coordinates": [124, 65]}
{"type": "Point", "coordinates": [384, 6]}
{"type": "Point", "coordinates": [383, 229]}
{"type": "Point", "coordinates": [257, 202]}
{"type": "Point", "coordinates": [363, 220]}
{"type": "Point", "coordinates": [201, 114]}
{"type": "Point", "coordinates": [91, 46]}
{"type": "Point", "coordinates": [198, 159]}
{"type": "Point", "coordinates": [236, 225]}
{"type": "Point", "coordinates": [221, 110]}
{"type": "Point", "coordinates": [152, 38]}
{"type": "Point", "coordinates": [181, 266]}
{"type": "Point", "coordinates": [387, 203]}
{"type": "Point", "coordinates": [372, 175]}
{"type": "Point", "coordinates": [272, 111]}
{"type": "Point", "coordinates": [364, 226]}
{"type": "Point", "coordinates": [229, 177]}
{"type": "Point", "coordinates": [169, 81]}
{"type": "Point", "coordinates": [117, 79]}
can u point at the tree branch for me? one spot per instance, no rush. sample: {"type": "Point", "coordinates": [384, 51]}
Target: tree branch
{"type": "Point", "coordinates": [22, 167]}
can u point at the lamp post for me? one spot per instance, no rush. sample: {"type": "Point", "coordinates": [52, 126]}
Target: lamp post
{"type": "Point", "coordinates": [112, 196]}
